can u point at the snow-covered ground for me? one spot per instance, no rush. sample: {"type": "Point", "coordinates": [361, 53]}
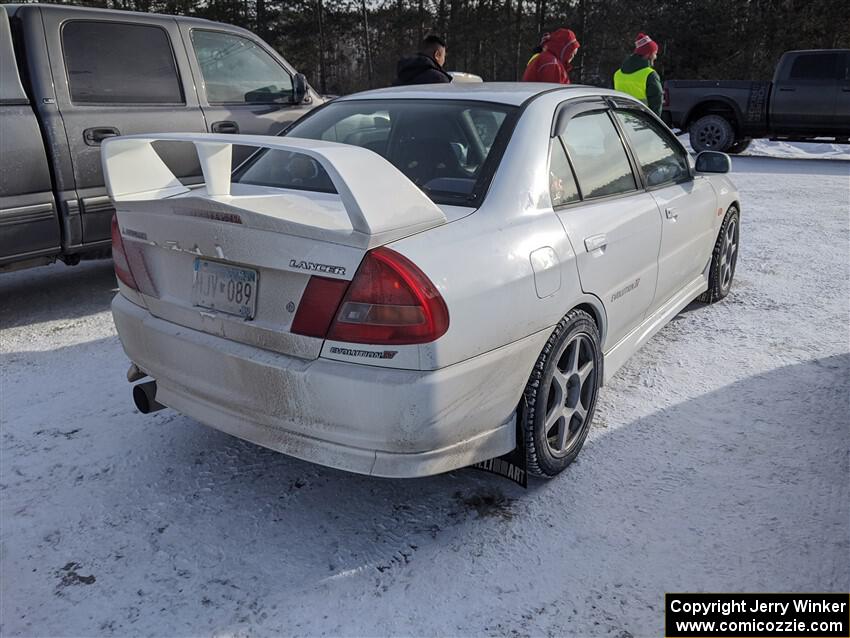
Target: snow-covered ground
{"type": "Point", "coordinates": [718, 461]}
{"type": "Point", "coordinates": [788, 150]}
{"type": "Point", "coordinates": [798, 150]}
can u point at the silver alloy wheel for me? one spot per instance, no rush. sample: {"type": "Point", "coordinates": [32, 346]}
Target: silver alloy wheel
{"type": "Point", "coordinates": [570, 394]}
{"type": "Point", "coordinates": [728, 254]}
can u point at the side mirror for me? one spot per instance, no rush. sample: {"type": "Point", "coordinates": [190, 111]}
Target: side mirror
{"type": "Point", "coordinates": [713, 162]}
{"type": "Point", "coordinates": [299, 88]}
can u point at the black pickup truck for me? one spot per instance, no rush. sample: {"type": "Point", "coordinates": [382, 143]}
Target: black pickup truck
{"type": "Point", "coordinates": [70, 77]}
{"type": "Point", "coordinates": [809, 98]}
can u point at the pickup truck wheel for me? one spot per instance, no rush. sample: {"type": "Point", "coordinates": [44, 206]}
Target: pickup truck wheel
{"type": "Point", "coordinates": [724, 258]}
{"type": "Point", "coordinates": [712, 133]}
{"type": "Point", "coordinates": [561, 395]}
{"type": "Point", "coordinates": [739, 146]}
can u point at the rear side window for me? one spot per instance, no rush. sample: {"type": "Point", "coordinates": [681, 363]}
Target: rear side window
{"type": "Point", "coordinates": [237, 71]}
{"type": "Point", "coordinates": [816, 66]}
{"type": "Point", "coordinates": [661, 159]}
{"type": "Point", "coordinates": [115, 63]}
{"type": "Point", "coordinates": [562, 183]}
{"type": "Point", "coordinates": [598, 156]}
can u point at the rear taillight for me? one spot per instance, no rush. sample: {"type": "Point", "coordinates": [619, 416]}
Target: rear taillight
{"type": "Point", "coordinates": [318, 305]}
{"type": "Point", "coordinates": [390, 302]}
{"type": "Point", "coordinates": [119, 257]}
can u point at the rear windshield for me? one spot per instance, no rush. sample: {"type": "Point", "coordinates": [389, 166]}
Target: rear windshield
{"type": "Point", "coordinates": [449, 149]}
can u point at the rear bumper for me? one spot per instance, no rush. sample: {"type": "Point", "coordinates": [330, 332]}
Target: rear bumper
{"type": "Point", "coordinates": [360, 418]}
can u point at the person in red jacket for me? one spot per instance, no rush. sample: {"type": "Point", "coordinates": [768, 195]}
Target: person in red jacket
{"type": "Point", "coordinates": [553, 64]}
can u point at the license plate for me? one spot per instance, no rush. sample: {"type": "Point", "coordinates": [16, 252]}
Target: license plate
{"type": "Point", "coordinates": [228, 289]}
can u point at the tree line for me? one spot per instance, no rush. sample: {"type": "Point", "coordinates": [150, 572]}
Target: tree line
{"type": "Point", "coordinates": [349, 45]}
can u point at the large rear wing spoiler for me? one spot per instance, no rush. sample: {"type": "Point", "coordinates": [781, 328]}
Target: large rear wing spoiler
{"type": "Point", "coordinates": [381, 202]}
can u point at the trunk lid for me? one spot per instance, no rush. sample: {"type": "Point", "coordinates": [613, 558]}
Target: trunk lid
{"type": "Point", "coordinates": [234, 259]}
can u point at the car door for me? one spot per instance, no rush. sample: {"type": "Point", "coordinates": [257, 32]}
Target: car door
{"type": "Point", "coordinates": [244, 87]}
{"type": "Point", "coordinates": [805, 92]}
{"type": "Point", "coordinates": [118, 76]}
{"type": "Point", "coordinates": [612, 224]}
{"type": "Point", "coordinates": [29, 226]}
{"type": "Point", "coordinates": [687, 204]}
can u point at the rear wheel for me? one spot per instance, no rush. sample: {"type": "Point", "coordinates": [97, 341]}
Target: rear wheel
{"type": "Point", "coordinates": [724, 258]}
{"type": "Point", "coordinates": [561, 395]}
{"type": "Point", "coordinates": [712, 133]}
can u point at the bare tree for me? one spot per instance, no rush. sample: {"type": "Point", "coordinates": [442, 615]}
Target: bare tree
{"type": "Point", "coordinates": [366, 42]}
{"type": "Point", "coordinates": [322, 75]}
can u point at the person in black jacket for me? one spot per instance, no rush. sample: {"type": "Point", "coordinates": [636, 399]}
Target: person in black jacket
{"type": "Point", "coordinates": [426, 67]}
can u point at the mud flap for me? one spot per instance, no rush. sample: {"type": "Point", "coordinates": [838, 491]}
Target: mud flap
{"type": "Point", "coordinates": [512, 465]}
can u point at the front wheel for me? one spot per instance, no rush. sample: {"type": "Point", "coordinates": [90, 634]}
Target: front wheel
{"type": "Point", "coordinates": [724, 258]}
{"type": "Point", "coordinates": [561, 395]}
{"type": "Point", "coordinates": [712, 133]}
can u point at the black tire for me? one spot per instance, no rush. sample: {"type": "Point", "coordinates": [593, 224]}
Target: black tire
{"type": "Point", "coordinates": [739, 146]}
{"type": "Point", "coordinates": [724, 258]}
{"type": "Point", "coordinates": [712, 133]}
{"type": "Point", "coordinates": [548, 454]}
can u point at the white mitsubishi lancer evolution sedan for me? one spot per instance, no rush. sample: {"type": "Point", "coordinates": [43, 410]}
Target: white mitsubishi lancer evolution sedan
{"type": "Point", "coordinates": [415, 279]}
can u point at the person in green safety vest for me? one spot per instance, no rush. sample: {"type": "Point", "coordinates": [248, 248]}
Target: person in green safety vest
{"type": "Point", "coordinates": [637, 77]}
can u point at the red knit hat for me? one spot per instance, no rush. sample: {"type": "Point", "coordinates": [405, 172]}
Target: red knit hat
{"type": "Point", "coordinates": [644, 45]}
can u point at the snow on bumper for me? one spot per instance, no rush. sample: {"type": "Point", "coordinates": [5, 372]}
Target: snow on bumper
{"type": "Point", "coordinates": [360, 418]}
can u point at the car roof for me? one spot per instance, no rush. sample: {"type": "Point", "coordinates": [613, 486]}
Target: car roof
{"type": "Point", "coordinates": [13, 8]}
{"type": "Point", "coordinates": [513, 93]}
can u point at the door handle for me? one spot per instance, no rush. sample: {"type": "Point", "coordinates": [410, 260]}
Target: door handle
{"type": "Point", "coordinates": [94, 136]}
{"type": "Point", "coordinates": [787, 89]}
{"type": "Point", "coordinates": [595, 242]}
{"type": "Point", "coordinates": [225, 126]}
{"type": "Point", "coordinates": [671, 214]}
